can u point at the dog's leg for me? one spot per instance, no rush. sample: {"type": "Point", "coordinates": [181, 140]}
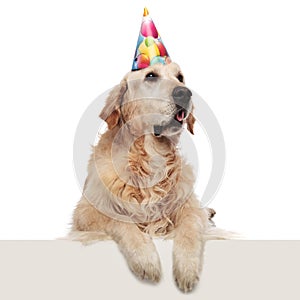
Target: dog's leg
{"type": "Point", "coordinates": [188, 248]}
{"type": "Point", "coordinates": [137, 248]}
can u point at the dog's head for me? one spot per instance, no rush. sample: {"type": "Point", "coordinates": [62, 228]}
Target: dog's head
{"type": "Point", "coordinates": [152, 100]}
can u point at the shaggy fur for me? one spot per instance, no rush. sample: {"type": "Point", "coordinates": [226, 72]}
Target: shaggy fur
{"type": "Point", "coordinates": [138, 186]}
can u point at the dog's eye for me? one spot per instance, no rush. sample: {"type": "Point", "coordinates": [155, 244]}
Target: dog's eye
{"type": "Point", "coordinates": [180, 77]}
{"type": "Point", "coordinates": [151, 75]}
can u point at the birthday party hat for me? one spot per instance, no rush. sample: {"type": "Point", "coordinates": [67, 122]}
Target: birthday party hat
{"type": "Point", "coordinates": [150, 49]}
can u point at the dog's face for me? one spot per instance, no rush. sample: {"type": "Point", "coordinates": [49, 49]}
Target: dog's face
{"type": "Point", "coordinates": [153, 100]}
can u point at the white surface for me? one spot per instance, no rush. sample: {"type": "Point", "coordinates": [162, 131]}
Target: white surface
{"type": "Point", "coordinates": [242, 57]}
{"type": "Point", "coordinates": [67, 270]}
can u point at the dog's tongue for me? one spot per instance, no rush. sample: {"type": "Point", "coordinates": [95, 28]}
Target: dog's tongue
{"type": "Point", "coordinates": [180, 116]}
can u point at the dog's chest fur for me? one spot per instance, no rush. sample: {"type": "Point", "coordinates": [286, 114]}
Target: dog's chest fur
{"type": "Point", "coordinates": [146, 183]}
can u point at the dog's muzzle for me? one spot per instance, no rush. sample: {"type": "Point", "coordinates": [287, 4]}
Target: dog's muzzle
{"type": "Point", "coordinates": [182, 98]}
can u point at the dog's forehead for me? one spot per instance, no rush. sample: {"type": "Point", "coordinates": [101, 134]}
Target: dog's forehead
{"type": "Point", "coordinates": [167, 71]}
{"type": "Point", "coordinates": [172, 68]}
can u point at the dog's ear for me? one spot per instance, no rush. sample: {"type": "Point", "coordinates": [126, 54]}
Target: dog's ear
{"type": "Point", "coordinates": [190, 122]}
{"type": "Point", "coordinates": [111, 112]}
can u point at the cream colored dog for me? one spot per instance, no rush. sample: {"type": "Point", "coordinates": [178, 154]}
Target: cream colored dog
{"type": "Point", "coordinates": [138, 186]}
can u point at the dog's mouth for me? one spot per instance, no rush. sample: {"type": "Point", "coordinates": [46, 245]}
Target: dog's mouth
{"type": "Point", "coordinates": [175, 123]}
{"type": "Point", "coordinates": [181, 115]}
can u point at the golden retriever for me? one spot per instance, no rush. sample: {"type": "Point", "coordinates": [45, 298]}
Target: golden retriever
{"type": "Point", "coordinates": [138, 185]}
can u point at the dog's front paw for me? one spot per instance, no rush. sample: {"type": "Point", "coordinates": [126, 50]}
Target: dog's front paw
{"type": "Point", "coordinates": [145, 264]}
{"type": "Point", "coordinates": [186, 273]}
{"type": "Point", "coordinates": [146, 270]}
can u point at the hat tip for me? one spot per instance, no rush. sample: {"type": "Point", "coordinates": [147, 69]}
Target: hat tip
{"type": "Point", "coordinates": [146, 12]}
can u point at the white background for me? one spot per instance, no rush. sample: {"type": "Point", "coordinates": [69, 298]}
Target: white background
{"type": "Point", "coordinates": [242, 57]}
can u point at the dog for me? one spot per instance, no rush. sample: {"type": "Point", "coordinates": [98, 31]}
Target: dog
{"type": "Point", "coordinates": [138, 186]}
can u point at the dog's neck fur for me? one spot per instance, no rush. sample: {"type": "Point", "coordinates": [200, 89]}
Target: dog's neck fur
{"type": "Point", "coordinates": [142, 179]}
{"type": "Point", "coordinates": [149, 164]}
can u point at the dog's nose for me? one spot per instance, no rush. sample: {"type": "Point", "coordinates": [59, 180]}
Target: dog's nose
{"type": "Point", "coordinates": [182, 96]}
